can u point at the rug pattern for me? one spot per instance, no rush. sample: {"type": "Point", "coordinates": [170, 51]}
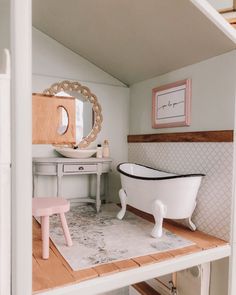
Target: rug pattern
{"type": "Point", "coordinates": [102, 238]}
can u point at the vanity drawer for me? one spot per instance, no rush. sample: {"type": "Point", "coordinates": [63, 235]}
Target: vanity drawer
{"type": "Point", "coordinates": [75, 168]}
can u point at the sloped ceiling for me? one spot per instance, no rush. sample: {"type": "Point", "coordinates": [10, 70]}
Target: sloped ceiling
{"type": "Point", "coordinates": [132, 40]}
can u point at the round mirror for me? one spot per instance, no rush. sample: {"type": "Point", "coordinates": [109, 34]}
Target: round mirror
{"type": "Point", "coordinates": [63, 121]}
{"type": "Point", "coordinates": [88, 110]}
{"type": "Point", "coordinates": [84, 118]}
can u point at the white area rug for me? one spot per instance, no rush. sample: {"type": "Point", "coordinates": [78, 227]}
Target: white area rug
{"type": "Point", "coordinates": [101, 238]}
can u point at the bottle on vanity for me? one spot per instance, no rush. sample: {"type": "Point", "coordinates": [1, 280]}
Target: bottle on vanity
{"type": "Point", "coordinates": [99, 151]}
{"type": "Point", "coordinates": [106, 149]}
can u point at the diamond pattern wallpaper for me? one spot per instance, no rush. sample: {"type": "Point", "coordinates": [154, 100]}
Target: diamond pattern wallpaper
{"type": "Point", "coordinates": [213, 212]}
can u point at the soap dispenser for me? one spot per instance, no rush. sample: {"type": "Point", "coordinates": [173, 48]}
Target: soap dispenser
{"type": "Point", "coordinates": [99, 151]}
{"type": "Point", "coordinates": [106, 149]}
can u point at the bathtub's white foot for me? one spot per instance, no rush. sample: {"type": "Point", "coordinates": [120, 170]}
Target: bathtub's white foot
{"type": "Point", "coordinates": [159, 212]}
{"type": "Point", "coordinates": [191, 225]}
{"type": "Point", "coordinates": [123, 201]}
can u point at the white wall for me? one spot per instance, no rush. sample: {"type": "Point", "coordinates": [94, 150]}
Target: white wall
{"type": "Point", "coordinates": [212, 96]}
{"type": "Point", "coordinates": [4, 26]}
{"type": "Point", "coordinates": [52, 62]}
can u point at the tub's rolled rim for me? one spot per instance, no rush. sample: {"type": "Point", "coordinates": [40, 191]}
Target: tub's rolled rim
{"type": "Point", "coordinates": [155, 178]}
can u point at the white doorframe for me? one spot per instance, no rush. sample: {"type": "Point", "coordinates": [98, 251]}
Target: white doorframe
{"type": "Point", "coordinates": [5, 177]}
{"type": "Point", "coordinates": [232, 261]}
{"type": "Point", "coordinates": [21, 94]}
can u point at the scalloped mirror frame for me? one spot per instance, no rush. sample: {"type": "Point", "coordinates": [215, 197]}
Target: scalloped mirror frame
{"type": "Point", "coordinates": [88, 96]}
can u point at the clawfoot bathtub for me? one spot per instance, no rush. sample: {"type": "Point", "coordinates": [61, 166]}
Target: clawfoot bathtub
{"type": "Point", "coordinates": [165, 195]}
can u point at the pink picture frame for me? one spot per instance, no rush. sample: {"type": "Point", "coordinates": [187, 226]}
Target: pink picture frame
{"type": "Point", "coordinates": [171, 105]}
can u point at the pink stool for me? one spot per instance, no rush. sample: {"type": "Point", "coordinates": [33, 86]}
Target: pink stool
{"type": "Point", "coordinates": [44, 208]}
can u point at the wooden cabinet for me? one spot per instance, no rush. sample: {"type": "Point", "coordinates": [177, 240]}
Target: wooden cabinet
{"type": "Point", "coordinates": [53, 119]}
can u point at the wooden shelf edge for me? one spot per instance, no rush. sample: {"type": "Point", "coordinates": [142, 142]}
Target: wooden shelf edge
{"type": "Point", "coordinates": [129, 277]}
{"type": "Point", "coordinates": [196, 136]}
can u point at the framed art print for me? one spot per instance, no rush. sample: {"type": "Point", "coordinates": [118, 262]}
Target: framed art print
{"type": "Point", "coordinates": [171, 105]}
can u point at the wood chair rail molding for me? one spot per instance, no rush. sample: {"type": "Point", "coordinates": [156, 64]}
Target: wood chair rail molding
{"type": "Point", "coordinates": [197, 136]}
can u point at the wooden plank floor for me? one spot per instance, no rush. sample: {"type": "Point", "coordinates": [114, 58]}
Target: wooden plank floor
{"type": "Point", "coordinates": [55, 271]}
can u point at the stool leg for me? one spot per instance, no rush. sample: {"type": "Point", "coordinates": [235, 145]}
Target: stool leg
{"type": "Point", "coordinates": [66, 229]}
{"type": "Point", "coordinates": [45, 236]}
{"type": "Point", "coordinates": [41, 222]}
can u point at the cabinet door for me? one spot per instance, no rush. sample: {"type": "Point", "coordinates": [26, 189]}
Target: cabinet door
{"type": "Point", "coordinates": [53, 119]}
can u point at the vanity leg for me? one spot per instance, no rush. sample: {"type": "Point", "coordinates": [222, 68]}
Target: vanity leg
{"type": "Point", "coordinates": [98, 197]}
{"type": "Point", "coordinates": [59, 177]}
{"type": "Point", "coordinates": [90, 184]}
{"type": "Point", "coordinates": [159, 212]}
{"type": "Point", "coordinates": [35, 186]}
{"type": "Point", "coordinates": [58, 186]}
{"type": "Point", "coordinates": [106, 187]}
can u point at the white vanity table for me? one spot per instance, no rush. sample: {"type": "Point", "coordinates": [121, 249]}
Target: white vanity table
{"type": "Point", "coordinates": [59, 167]}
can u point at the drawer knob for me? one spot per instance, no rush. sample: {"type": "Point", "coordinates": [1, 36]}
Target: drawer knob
{"type": "Point", "coordinates": [81, 168]}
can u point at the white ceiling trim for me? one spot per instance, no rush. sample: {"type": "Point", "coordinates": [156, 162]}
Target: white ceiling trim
{"type": "Point", "coordinates": [209, 11]}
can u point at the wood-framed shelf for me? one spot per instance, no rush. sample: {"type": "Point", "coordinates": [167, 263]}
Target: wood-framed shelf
{"type": "Point", "coordinates": [54, 276]}
{"type": "Point", "coordinates": [194, 136]}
